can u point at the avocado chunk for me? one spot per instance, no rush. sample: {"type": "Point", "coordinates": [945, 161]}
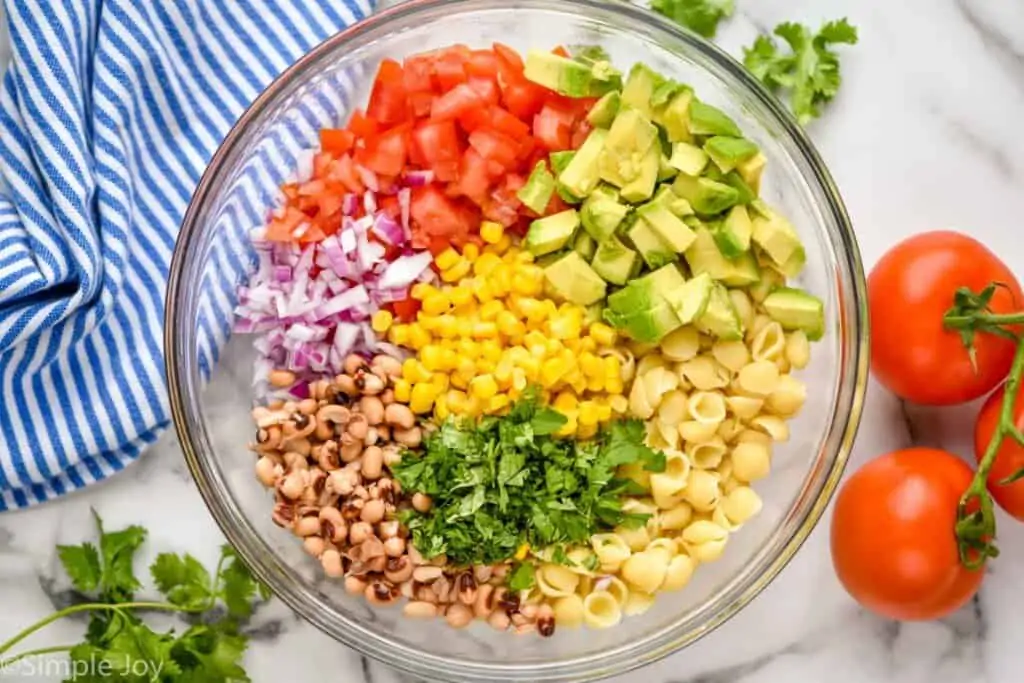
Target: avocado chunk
{"type": "Point", "coordinates": [641, 187]}
{"type": "Point", "coordinates": [570, 77]}
{"type": "Point", "coordinates": [626, 148]}
{"type": "Point", "coordinates": [776, 237]}
{"type": "Point", "coordinates": [653, 250]}
{"type": "Point", "coordinates": [640, 86]}
{"type": "Point", "coordinates": [666, 279]}
{"type": "Point", "coordinates": [615, 262]}
{"type": "Point", "coordinates": [706, 196]}
{"type": "Point", "coordinates": [751, 170]}
{"type": "Point", "coordinates": [594, 313]}
{"type": "Point", "coordinates": [537, 191]}
{"type": "Point", "coordinates": [602, 213]}
{"type": "Point", "coordinates": [688, 159]}
{"type": "Point", "coordinates": [647, 325]}
{"type": "Point", "coordinates": [581, 176]}
{"type": "Point", "coordinates": [670, 200]}
{"type": "Point", "coordinates": [551, 233]}
{"type": "Point", "coordinates": [559, 160]}
{"type": "Point", "coordinates": [704, 256]}
{"type": "Point", "coordinates": [675, 117]}
{"type": "Point", "coordinates": [665, 169]}
{"type": "Point", "coordinates": [690, 300]}
{"type": "Point", "coordinates": [584, 245]}
{"type": "Point", "coordinates": [669, 228]}
{"type": "Point", "coordinates": [745, 193]}
{"type": "Point", "coordinates": [733, 235]}
{"type": "Point", "coordinates": [728, 153]}
{"type": "Point", "coordinates": [642, 308]}
{"type": "Point", "coordinates": [720, 318]}
{"type": "Point", "coordinates": [572, 279]}
{"type": "Point", "coordinates": [604, 110]}
{"type": "Point", "coordinates": [708, 120]}
{"type": "Point", "coordinates": [796, 309]}
{"type": "Point", "coordinates": [794, 264]}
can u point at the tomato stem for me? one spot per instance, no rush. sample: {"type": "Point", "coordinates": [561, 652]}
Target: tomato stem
{"type": "Point", "coordinates": [982, 319]}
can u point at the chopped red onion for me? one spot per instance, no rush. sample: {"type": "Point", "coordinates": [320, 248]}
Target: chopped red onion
{"type": "Point", "coordinates": [345, 335]}
{"type": "Point", "coordinates": [370, 203]}
{"type": "Point", "coordinates": [404, 202]}
{"type": "Point", "coordinates": [387, 229]}
{"type": "Point", "coordinates": [349, 204]}
{"type": "Point", "coordinates": [419, 178]}
{"type": "Point", "coordinates": [404, 270]}
{"type": "Point", "coordinates": [368, 177]}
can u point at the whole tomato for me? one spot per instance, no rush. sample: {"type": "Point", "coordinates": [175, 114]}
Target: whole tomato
{"type": "Point", "coordinates": [909, 290]}
{"type": "Point", "coordinates": [893, 541]}
{"type": "Point", "coordinates": [1010, 457]}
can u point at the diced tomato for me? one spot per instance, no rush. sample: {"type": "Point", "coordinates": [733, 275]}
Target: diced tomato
{"type": "Point", "coordinates": [494, 146]}
{"type": "Point", "coordinates": [475, 177]}
{"type": "Point", "coordinates": [436, 142]}
{"type": "Point", "coordinates": [482, 63]}
{"type": "Point", "coordinates": [434, 213]}
{"type": "Point", "coordinates": [523, 99]}
{"type": "Point", "coordinates": [504, 122]}
{"type": "Point", "coordinates": [477, 117]}
{"type": "Point", "coordinates": [450, 69]}
{"type": "Point", "coordinates": [455, 102]}
{"type": "Point", "coordinates": [290, 190]}
{"type": "Point", "coordinates": [329, 203]}
{"type": "Point", "coordinates": [388, 103]}
{"type": "Point", "coordinates": [508, 58]}
{"type": "Point", "coordinates": [421, 102]}
{"type": "Point", "coordinates": [417, 75]}
{"type": "Point", "coordinates": [406, 309]}
{"type": "Point", "coordinates": [389, 205]}
{"type": "Point", "coordinates": [386, 153]}
{"type": "Point", "coordinates": [343, 170]}
{"type": "Point", "coordinates": [555, 205]}
{"type": "Point", "coordinates": [337, 141]}
{"type": "Point", "coordinates": [363, 126]}
{"type": "Point", "coordinates": [552, 128]}
{"type": "Point", "coordinates": [312, 234]}
{"type": "Point", "coordinates": [280, 229]}
{"type": "Point", "coordinates": [561, 52]}
{"type": "Point", "coordinates": [438, 244]}
{"type": "Point", "coordinates": [486, 88]}
{"type": "Point", "coordinates": [579, 135]}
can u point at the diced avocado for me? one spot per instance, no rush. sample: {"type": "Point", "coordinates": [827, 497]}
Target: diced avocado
{"type": "Point", "coordinates": [708, 120]}
{"type": "Point", "coordinates": [720, 318]}
{"type": "Point", "coordinates": [690, 300]}
{"type": "Point", "coordinates": [640, 86]}
{"type": "Point", "coordinates": [564, 75]}
{"type": "Point", "coordinates": [673, 202]}
{"type": "Point", "coordinates": [629, 139]}
{"type": "Point", "coordinates": [665, 279]}
{"type": "Point", "coordinates": [794, 264]}
{"type": "Point", "coordinates": [604, 110]}
{"type": "Point", "coordinates": [602, 213]}
{"type": "Point", "coordinates": [654, 252]}
{"type": "Point", "coordinates": [769, 282]}
{"type": "Point", "coordinates": [669, 228]}
{"type": "Point", "coordinates": [704, 256]}
{"type": "Point", "coordinates": [580, 177]}
{"type": "Point", "coordinates": [547, 259]}
{"type": "Point", "coordinates": [796, 309]}
{"type": "Point", "coordinates": [649, 324]}
{"type": "Point", "coordinates": [706, 196]}
{"type": "Point", "coordinates": [647, 291]}
{"type": "Point", "coordinates": [742, 271]}
{"type": "Point", "coordinates": [551, 233]}
{"type": "Point", "coordinates": [745, 193]}
{"type": "Point", "coordinates": [584, 245]}
{"type": "Point", "coordinates": [688, 159]}
{"type": "Point", "coordinates": [559, 160]}
{"type": "Point", "coordinates": [593, 313]}
{"type": "Point", "coordinates": [675, 117]}
{"type": "Point", "coordinates": [615, 262]}
{"type": "Point", "coordinates": [727, 152]}
{"type": "Point", "coordinates": [664, 94]}
{"type": "Point", "coordinates": [642, 185]}
{"type": "Point", "coordinates": [733, 236]}
{"type": "Point", "coordinates": [665, 169]}
{"type": "Point", "coordinates": [759, 208]}
{"type": "Point", "coordinates": [751, 170]}
{"type": "Point", "coordinates": [776, 237]}
{"type": "Point", "coordinates": [536, 193]}
{"type": "Point", "coordinates": [571, 278]}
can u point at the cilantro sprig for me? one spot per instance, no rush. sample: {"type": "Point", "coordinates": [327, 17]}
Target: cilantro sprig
{"type": "Point", "coordinates": [700, 16]}
{"type": "Point", "coordinates": [505, 482]}
{"type": "Point", "coordinates": [210, 650]}
{"type": "Point", "coordinates": [809, 71]}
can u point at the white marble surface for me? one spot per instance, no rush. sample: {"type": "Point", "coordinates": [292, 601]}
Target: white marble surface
{"type": "Point", "coordinates": [926, 133]}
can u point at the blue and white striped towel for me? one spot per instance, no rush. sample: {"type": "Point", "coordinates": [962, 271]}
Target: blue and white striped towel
{"type": "Point", "coordinates": [109, 112]}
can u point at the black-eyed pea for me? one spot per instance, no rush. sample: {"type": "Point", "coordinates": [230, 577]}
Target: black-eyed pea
{"type": "Point", "coordinates": [329, 459]}
{"type": "Point", "coordinates": [294, 461]}
{"type": "Point", "coordinates": [407, 589]}
{"type": "Point", "coordinates": [482, 573]}
{"type": "Point", "coordinates": [390, 366]}
{"type": "Point", "coordinates": [392, 455]}
{"type": "Point", "coordinates": [331, 562]}
{"type": "Point", "coordinates": [415, 556]}
{"type": "Point", "coordinates": [308, 406]}
{"type": "Point", "coordinates": [346, 384]}
{"type": "Point", "coordinates": [370, 384]}
{"type": "Point", "coordinates": [398, 569]}
{"type": "Point", "coordinates": [359, 532]}
{"type": "Point", "coordinates": [354, 585]}
{"type": "Point", "coordinates": [420, 610]}
{"type": "Point", "coordinates": [373, 462]}
{"type": "Point", "coordinates": [458, 615]}
{"type": "Point", "coordinates": [268, 471]}
{"type": "Point", "coordinates": [483, 605]}
{"type": "Point", "coordinates": [373, 408]}
{"type": "Point", "coordinates": [410, 438]}
{"type": "Point", "coordinates": [387, 397]}
{"type": "Point", "coordinates": [373, 435]}
{"type": "Point", "coordinates": [358, 426]}
{"type": "Point", "coordinates": [394, 547]}
{"type": "Point", "coordinates": [351, 448]}
{"type": "Point", "coordinates": [380, 593]}
{"type": "Point", "coordinates": [524, 629]}
{"type": "Point", "coordinates": [343, 481]}
{"type": "Point", "coordinates": [283, 515]}
{"type": "Point", "coordinates": [292, 485]}
{"type": "Point", "coordinates": [314, 546]}
{"type": "Point", "coordinates": [378, 564]}
{"type": "Point", "coordinates": [373, 511]}
{"type": "Point", "coordinates": [281, 379]}
{"type": "Point", "coordinates": [302, 446]}
{"type": "Point", "coordinates": [421, 502]}
{"type": "Point", "coordinates": [399, 415]}
{"type": "Point", "coordinates": [388, 529]}
{"type": "Point", "coordinates": [545, 620]}
{"type": "Point", "coordinates": [307, 526]}
{"type": "Point", "coordinates": [499, 620]}
{"type": "Point", "coordinates": [383, 433]}
{"type": "Point", "coordinates": [354, 363]}
{"type": "Point", "coordinates": [427, 573]}
{"type": "Point", "coordinates": [466, 584]}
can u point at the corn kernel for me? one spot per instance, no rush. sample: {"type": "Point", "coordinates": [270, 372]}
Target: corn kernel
{"type": "Point", "coordinates": [483, 386]}
{"type": "Point", "coordinates": [586, 431]}
{"type": "Point", "coordinates": [457, 401]}
{"type": "Point", "coordinates": [522, 256]}
{"type": "Point", "coordinates": [509, 325]}
{"type": "Point", "coordinates": [441, 410]}
{"type": "Point", "coordinates": [612, 367]}
{"type": "Point", "coordinates": [578, 383]}
{"type": "Point", "coordinates": [551, 371]}
{"type": "Point", "coordinates": [619, 404]}
{"type": "Point", "coordinates": [486, 264]}
{"type": "Point", "coordinates": [466, 369]}
{"type": "Point", "coordinates": [565, 401]}
{"type": "Point", "coordinates": [531, 309]}
{"type": "Point", "coordinates": [535, 338]}
{"type": "Point", "coordinates": [490, 350]}
{"type": "Point", "coordinates": [520, 380]}
{"type": "Point", "coordinates": [440, 380]}
{"type": "Point", "coordinates": [421, 399]}
{"type": "Point", "coordinates": [563, 327]}
{"type": "Point", "coordinates": [570, 426]}
{"type": "Point", "coordinates": [485, 329]}
{"type": "Point", "coordinates": [604, 412]}
{"type": "Point", "coordinates": [491, 310]}
{"type": "Point", "coordinates": [447, 259]}
{"type": "Point", "coordinates": [498, 403]}
{"type": "Point", "coordinates": [447, 326]}
{"type": "Point", "coordinates": [402, 389]}
{"type": "Point", "coordinates": [432, 358]}
{"type": "Point", "coordinates": [595, 383]}
{"type": "Point", "coordinates": [418, 337]}
{"type": "Point", "coordinates": [399, 334]}
{"type": "Point", "coordinates": [451, 357]}
{"type": "Point", "coordinates": [531, 366]}
{"type": "Point", "coordinates": [483, 292]}
{"type": "Point", "coordinates": [465, 327]}
{"type": "Point", "coordinates": [413, 371]}
{"type": "Point", "coordinates": [458, 381]}
{"type": "Point", "coordinates": [470, 252]}
{"type": "Point", "coordinates": [591, 365]}
{"type": "Point", "coordinates": [491, 232]}
{"type": "Point", "coordinates": [521, 552]}
{"type": "Point", "coordinates": [381, 321]}
{"type": "Point", "coordinates": [456, 272]}
{"type": "Point", "coordinates": [602, 334]}
{"type": "Point", "coordinates": [588, 344]}
{"type": "Point", "coordinates": [421, 290]}
{"type": "Point", "coordinates": [501, 246]}
{"type": "Point", "coordinates": [485, 367]}
{"type": "Point", "coordinates": [588, 414]}
{"type": "Point", "coordinates": [436, 304]}
{"type": "Point", "coordinates": [614, 385]}
{"type": "Point", "coordinates": [460, 295]}
{"type": "Point", "coordinates": [503, 372]}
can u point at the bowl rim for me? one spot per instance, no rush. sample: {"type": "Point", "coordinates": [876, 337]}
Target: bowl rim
{"type": "Point", "coordinates": [622, 658]}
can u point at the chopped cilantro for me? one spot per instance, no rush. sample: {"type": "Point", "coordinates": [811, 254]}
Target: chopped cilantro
{"type": "Point", "coordinates": [700, 16]}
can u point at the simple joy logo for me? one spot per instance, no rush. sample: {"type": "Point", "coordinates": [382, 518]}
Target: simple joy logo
{"type": "Point", "coordinates": [48, 668]}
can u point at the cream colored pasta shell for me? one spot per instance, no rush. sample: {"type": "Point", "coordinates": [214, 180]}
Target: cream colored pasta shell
{"type": "Point", "coordinates": [611, 550]}
{"type": "Point", "coordinates": [677, 464]}
{"type": "Point", "coordinates": [782, 363]}
{"type": "Point", "coordinates": [721, 519]}
{"type": "Point", "coordinates": [640, 349]}
{"type": "Point", "coordinates": [769, 343]}
{"type": "Point", "coordinates": [798, 349]}
{"type": "Point", "coordinates": [639, 406]}
{"type": "Point", "coordinates": [707, 407]}
{"type": "Point", "coordinates": [636, 539]}
{"type": "Point", "coordinates": [692, 431]}
{"type": "Point", "coordinates": [678, 573]}
{"type": "Point", "coordinates": [556, 581]}
{"type": "Point", "coordinates": [730, 429]}
{"type": "Point", "coordinates": [645, 571]}
{"type": "Point", "coordinates": [759, 378]}
{"type": "Point", "coordinates": [673, 408]}
{"type": "Point", "coordinates": [788, 397]}
{"type": "Point", "coordinates": [649, 362]}
{"type": "Point", "coordinates": [705, 373]}
{"type": "Point", "coordinates": [568, 611]}
{"type": "Point", "coordinates": [773, 426]}
{"type": "Point", "coordinates": [751, 460]}
{"type": "Point", "coordinates": [659, 382]}
{"type": "Point", "coordinates": [669, 433]}
{"type": "Point", "coordinates": [642, 506]}
{"type": "Point", "coordinates": [702, 490]}
{"type": "Point", "coordinates": [761, 320]}
{"type": "Point", "coordinates": [741, 504]}
{"type": "Point", "coordinates": [744, 308]}
{"type": "Point", "coordinates": [637, 603]}
{"type": "Point", "coordinates": [744, 407]}
{"type": "Point", "coordinates": [681, 344]}
{"type": "Point", "coordinates": [665, 547]}
{"type": "Point", "coordinates": [732, 355]}
{"type": "Point", "coordinates": [601, 610]}
{"type": "Point", "coordinates": [658, 436]}
{"type": "Point", "coordinates": [677, 518]}
{"type": "Point", "coordinates": [579, 558]}
{"type": "Point", "coordinates": [704, 540]}
{"type": "Point", "coordinates": [586, 586]}
{"type": "Point", "coordinates": [614, 586]}
{"type": "Point", "coordinates": [667, 491]}
{"type": "Point", "coordinates": [755, 436]}
{"type": "Point", "coordinates": [708, 454]}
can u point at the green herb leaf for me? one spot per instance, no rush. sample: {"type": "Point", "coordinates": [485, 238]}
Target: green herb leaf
{"type": "Point", "coordinates": [82, 564]}
{"type": "Point", "coordinates": [238, 587]}
{"type": "Point", "coordinates": [117, 548]}
{"type": "Point", "coordinates": [700, 16]}
{"type": "Point", "coordinates": [547, 421]}
{"type": "Point", "coordinates": [809, 71]}
{"type": "Point", "coordinates": [182, 579]}
{"type": "Point", "coordinates": [522, 577]}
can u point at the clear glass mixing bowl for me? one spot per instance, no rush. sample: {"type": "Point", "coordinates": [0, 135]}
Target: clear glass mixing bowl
{"type": "Point", "coordinates": [211, 397]}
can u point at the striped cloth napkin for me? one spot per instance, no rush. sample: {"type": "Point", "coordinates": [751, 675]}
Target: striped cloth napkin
{"type": "Point", "coordinates": [109, 113]}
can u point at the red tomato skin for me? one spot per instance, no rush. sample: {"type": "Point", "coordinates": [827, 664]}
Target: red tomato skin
{"type": "Point", "coordinates": [893, 544]}
{"type": "Point", "coordinates": [909, 290]}
{"type": "Point", "coordinates": [1010, 457]}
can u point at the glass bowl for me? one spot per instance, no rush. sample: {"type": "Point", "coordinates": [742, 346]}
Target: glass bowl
{"type": "Point", "coordinates": [211, 395]}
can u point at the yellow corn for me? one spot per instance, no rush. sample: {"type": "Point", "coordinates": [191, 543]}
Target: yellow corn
{"type": "Point", "coordinates": [602, 334]}
{"type": "Point", "coordinates": [402, 390]}
{"type": "Point", "coordinates": [604, 412]}
{"type": "Point", "coordinates": [432, 357]}
{"type": "Point", "coordinates": [591, 365]}
{"type": "Point", "coordinates": [399, 334]}
{"type": "Point", "coordinates": [588, 414]}
{"type": "Point", "coordinates": [614, 385]}
{"type": "Point", "coordinates": [595, 384]}
{"type": "Point", "coordinates": [381, 321]}
{"type": "Point", "coordinates": [485, 329]}
{"type": "Point", "coordinates": [570, 426]}
{"type": "Point", "coordinates": [519, 380]}
{"type": "Point", "coordinates": [447, 259]}
{"type": "Point", "coordinates": [447, 326]}
{"type": "Point", "coordinates": [486, 264]}
{"type": "Point", "coordinates": [551, 371]}
{"type": "Point", "coordinates": [491, 310]}
{"type": "Point", "coordinates": [460, 296]}
{"type": "Point", "coordinates": [521, 552]}
{"type": "Point", "coordinates": [483, 387]}
{"type": "Point", "coordinates": [436, 304]}
{"type": "Point", "coordinates": [421, 400]}
{"type": "Point", "coordinates": [565, 401]}
{"type": "Point", "coordinates": [491, 232]}
{"type": "Point", "coordinates": [420, 290]}
{"type": "Point", "coordinates": [618, 403]}
{"type": "Point", "coordinates": [586, 431]}
{"type": "Point", "coordinates": [501, 246]}
{"type": "Point", "coordinates": [441, 380]}
{"type": "Point", "coordinates": [498, 403]}
{"type": "Point", "coordinates": [456, 272]}
{"type": "Point", "coordinates": [413, 371]}
{"type": "Point", "coordinates": [441, 410]}
{"type": "Point", "coordinates": [612, 367]}
{"type": "Point", "coordinates": [418, 337]}
{"type": "Point", "coordinates": [470, 252]}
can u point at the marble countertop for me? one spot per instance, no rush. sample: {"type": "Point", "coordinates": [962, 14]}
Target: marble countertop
{"type": "Point", "coordinates": [926, 133]}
